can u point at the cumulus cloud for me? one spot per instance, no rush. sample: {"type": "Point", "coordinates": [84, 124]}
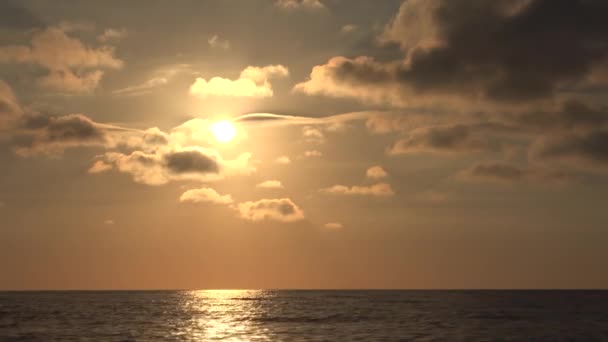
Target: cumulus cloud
{"type": "Point", "coordinates": [108, 222]}
{"type": "Point", "coordinates": [376, 190]}
{"type": "Point", "coordinates": [299, 4]}
{"type": "Point", "coordinates": [253, 82]}
{"type": "Point", "coordinates": [168, 164]}
{"type": "Point", "coordinates": [270, 184]}
{"type": "Point", "coordinates": [533, 55]}
{"type": "Point", "coordinates": [333, 225]}
{"type": "Point", "coordinates": [193, 161]}
{"type": "Point", "coordinates": [313, 135]}
{"type": "Point", "coordinates": [283, 210]}
{"type": "Point", "coordinates": [205, 195]}
{"type": "Point", "coordinates": [376, 172]}
{"type": "Point", "coordinates": [71, 65]}
{"type": "Point", "coordinates": [283, 160]}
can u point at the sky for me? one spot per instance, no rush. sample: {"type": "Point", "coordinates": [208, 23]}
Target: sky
{"type": "Point", "coordinates": [303, 144]}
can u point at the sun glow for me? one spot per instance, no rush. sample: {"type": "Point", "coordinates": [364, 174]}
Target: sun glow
{"type": "Point", "coordinates": [223, 131]}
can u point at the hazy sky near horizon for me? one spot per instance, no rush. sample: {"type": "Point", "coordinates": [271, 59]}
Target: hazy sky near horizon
{"type": "Point", "coordinates": [376, 144]}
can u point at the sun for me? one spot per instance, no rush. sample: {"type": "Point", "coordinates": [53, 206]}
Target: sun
{"type": "Point", "coordinates": [223, 131]}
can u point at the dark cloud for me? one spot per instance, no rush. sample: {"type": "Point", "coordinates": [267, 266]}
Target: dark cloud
{"type": "Point", "coordinates": [191, 162]}
{"type": "Point", "coordinates": [498, 171]}
{"type": "Point", "coordinates": [69, 128]}
{"type": "Point", "coordinates": [511, 54]}
{"type": "Point", "coordinates": [451, 138]}
{"type": "Point", "coordinates": [506, 51]}
{"type": "Point", "coordinates": [591, 148]}
{"type": "Point", "coordinates": [42, 134]}
{"type": "Point", "coordinates": [572, 115]}
{"type": "Point", "coordinates": [504, 172]}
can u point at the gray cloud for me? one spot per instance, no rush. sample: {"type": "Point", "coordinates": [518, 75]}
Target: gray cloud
{"type": "Point", "coordinates": [508, 52]}
{"type": "Point", "coordinates": [572, 114]}
{"type": "Point", "coordinates": [53, 134]}
{"type": "Point", "coordinates": [504, 172]}
{"type": "Point", "coordinates": [589, 148]}
{"type": "Point", "coordinates": [449, 138]}
{"type": "Point", "coordinates": [191, 162]}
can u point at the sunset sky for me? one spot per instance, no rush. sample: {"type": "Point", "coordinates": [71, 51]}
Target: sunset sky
{"type": "Point", "coordinates": [303, 144]}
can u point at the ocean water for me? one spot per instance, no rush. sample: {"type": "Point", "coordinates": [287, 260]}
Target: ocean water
{"type": "Point", "coordinates": [282, 315]}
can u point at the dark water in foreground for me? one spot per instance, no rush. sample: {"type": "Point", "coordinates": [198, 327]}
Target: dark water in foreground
{"type": "Point", "coordinates": [305, 316]}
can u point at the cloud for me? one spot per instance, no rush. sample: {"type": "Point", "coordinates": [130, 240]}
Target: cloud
{"type": "Point", "coordinates": [205, 195]}
{"type": "Point", "coordinates": [328, 123]}
{"type": "Point", "coordinates": [168, 164]}
{"type": "Point", "coordinates": [450, 138]}
{"type": "Point", "coordinates": [143, 87]}
{"type": "Point", "coordinates": [333, 225]}
{"type": "Point", "coordinates": [193, 161]}
{"type": "Point", "coordinates": [71, 65]}
{"type": "Point", "coordinates": [582, 150]}
{"type": "Point", "coordinates": [313, 135]}
{"type": "Point", "coordinates": [376, 190]}
{"type": "Point", "coordinates": [376, 172]}
{"type": "Point", "coordinates": [52, 135]}
{"type": "Point", "coordinates": [270, 184]}
{"type": "Point", "coordinates": [383, 123]}
{"type": "Point", "coordinates": [571, 115]}
{"type": "Point", "coordinates": [533, 54]}
{"type": "Point", "coordinates": [217, 43]}
{"type": "Point", "coordinates": [99, 167]}
{"type": "Point", "coordinates": [111, 35]}
{"type": "Point", "coordinates": [253, 82]}
{"type": "Point", "coordinates": [349, 28]}
{"type": "Point", "coordinates": [499, 171]}
{"type": "Point", "coordinates": [313, 153]}
{"type": "Point", "coordinates": [109, 222]}
{"type": "Point", "coordinates": [283, 160]}
{"type": "Point", "coordinates": [160, 77]}
{"type": "Point", "coordinates": [299, 4]}
{"type": "Point", "coordinates": [10, 110]}
{"type": "Point", "coordinates": [283, 210]}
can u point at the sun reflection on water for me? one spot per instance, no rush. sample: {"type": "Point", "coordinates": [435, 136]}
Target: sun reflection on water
{"type": "Point", "coordinates": [226, 315]}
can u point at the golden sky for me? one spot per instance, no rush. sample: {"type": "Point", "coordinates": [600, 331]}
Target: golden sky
{"type": "Point", "coordinates": [303, 144]}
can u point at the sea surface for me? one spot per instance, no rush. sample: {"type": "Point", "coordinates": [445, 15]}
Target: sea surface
{"type": "Point", "coordinates": [302, 315]}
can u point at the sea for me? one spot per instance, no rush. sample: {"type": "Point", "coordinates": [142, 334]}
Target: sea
{"type": "Point", "coordinates": [304, 315]}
